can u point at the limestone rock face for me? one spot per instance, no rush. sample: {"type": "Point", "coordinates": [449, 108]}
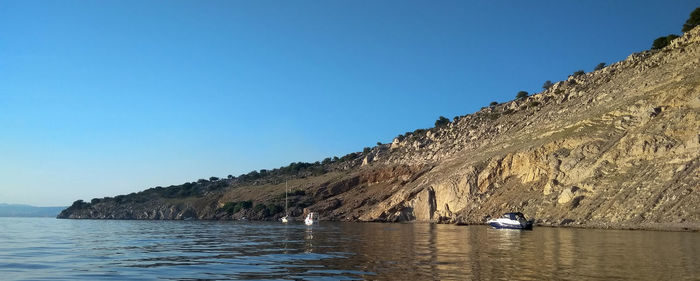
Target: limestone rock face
{"type": "Point", "coordinates": [615, 148]}
{"type": "Point", "coordinates": [396, 143]}
{"type": "Point", "coordinates": [366, 160]}
{"type": "Point", "coordinates": [565, 196]}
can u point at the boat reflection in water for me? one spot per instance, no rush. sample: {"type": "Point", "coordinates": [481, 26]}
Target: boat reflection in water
{"type": "Point", "coordinates": [308, 238]}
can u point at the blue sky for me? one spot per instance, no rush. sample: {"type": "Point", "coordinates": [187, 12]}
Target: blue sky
{"type": "Point", "coordinates": [100, 98]}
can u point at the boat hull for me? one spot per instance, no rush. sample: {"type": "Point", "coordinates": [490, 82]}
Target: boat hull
{"type": "Point", "coordinates": [498, 225]}
{"type": "Point", "coordinates": [309, 220]}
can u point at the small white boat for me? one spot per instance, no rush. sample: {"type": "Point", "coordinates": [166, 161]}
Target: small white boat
{"type": "Point", "coordinates": [284, 219]}
{"type": "Point", "coordinates": [309, 220]}
{"type": "Point", "coordinates": [511, 221]}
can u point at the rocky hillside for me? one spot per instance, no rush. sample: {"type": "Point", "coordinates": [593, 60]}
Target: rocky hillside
{"type": "Point", "coordinates": [614, 148]}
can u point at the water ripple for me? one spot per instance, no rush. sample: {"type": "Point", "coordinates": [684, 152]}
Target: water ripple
{"type": "Point", "coordinates": [49, 249]}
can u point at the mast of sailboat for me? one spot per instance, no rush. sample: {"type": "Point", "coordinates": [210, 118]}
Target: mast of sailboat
{"type": "Point", "coordinates": [285, 198]}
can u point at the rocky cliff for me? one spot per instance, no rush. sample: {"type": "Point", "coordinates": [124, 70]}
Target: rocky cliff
{"type": "Point", "coordinates": [614, 148]}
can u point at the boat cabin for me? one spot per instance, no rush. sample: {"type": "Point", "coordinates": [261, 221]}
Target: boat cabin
{"type": "Point", "coordinates": [514, 216]}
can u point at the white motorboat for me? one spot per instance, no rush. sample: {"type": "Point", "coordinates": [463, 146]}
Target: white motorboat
{"type": "Point", "coordinates": [514, 220]}
{"type": "Point", "coordinates": [309, 220]}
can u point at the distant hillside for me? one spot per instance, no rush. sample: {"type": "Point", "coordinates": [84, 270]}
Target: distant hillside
{"type": "Point", "coordinates": [618, 147]}
{"type": "Point", "coordinates": [16, 210]}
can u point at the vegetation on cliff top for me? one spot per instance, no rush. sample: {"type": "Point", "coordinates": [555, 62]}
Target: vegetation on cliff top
{"type": "Point", "coordinates": [663, 41]}
{"type": "Point", "coordinates": [693, 20]}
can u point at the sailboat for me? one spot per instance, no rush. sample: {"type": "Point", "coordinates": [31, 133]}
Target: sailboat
{"type": "Point", "coordinates": [285, 219]}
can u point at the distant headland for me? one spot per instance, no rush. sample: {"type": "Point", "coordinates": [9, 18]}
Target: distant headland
{"type": "Point", "coordinates": [19, 210]}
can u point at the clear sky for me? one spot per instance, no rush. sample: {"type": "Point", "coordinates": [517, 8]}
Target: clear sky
{"type": "Point", "coordinates": [100, 98]}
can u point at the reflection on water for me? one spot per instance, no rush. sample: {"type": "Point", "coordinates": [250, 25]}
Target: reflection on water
{"type": "Point", "coordinates": [37, 248]}
{"type": "Point", "coordinates": [309, 237]}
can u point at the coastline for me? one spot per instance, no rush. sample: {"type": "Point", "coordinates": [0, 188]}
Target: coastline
{"type": "Point", "coordinates": [665, 227]}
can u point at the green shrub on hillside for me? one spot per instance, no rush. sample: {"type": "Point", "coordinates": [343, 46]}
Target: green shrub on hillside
{"type": "Point", "coordinates": [246, 204]}
{"type": "Point", "coordinates": [235, 207]}
{"type": "Point", "coordinates": [79, 204]}
{"type": "Point", "coordinates": [493, 103]}
{"type": "Point", "coordinates": [693, 20]}
{"type": "Point", "coordinates": [268, 209]}
{"type": "Point", "coordinates": [274, 209]}
{"type": "Point", "coordinates": [259, 207]}
{"type": "Point", "coordinates": [578, 73]}
{"type": "Point", "coordinates": [442, 121]}
{"type": "Point", "coordinates": [185, 190]}
{"type": "Point", "coordinates": [599, 66]}
{"type": "Point", "coordinates": [348, 156]}
{"type": "Point", "coordinates": [547, 84]}
{"type": "Point", "coordinates": [663, 41]}
{"type": "Point", "coordinates": [521, 95]}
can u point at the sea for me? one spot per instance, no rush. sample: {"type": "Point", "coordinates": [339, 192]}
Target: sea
{"type": "Point", "coordinates": [53, 249]}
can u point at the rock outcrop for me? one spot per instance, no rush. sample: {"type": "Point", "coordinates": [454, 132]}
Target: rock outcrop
{"type": "Point", "coordinates": [615, 148]}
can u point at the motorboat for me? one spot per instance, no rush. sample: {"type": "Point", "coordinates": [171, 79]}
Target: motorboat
{"type": "Point", "coordinates": [309, 220]}
{"type": "Point", "coordinates": [514, 220]}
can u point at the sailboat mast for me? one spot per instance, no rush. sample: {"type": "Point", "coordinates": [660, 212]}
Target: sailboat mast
{"type": "Point", "coordinates": [285, 198]}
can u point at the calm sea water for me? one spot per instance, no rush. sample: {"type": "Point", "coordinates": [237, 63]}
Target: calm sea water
{"type": "Point", "coordinates": [51, 249]}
